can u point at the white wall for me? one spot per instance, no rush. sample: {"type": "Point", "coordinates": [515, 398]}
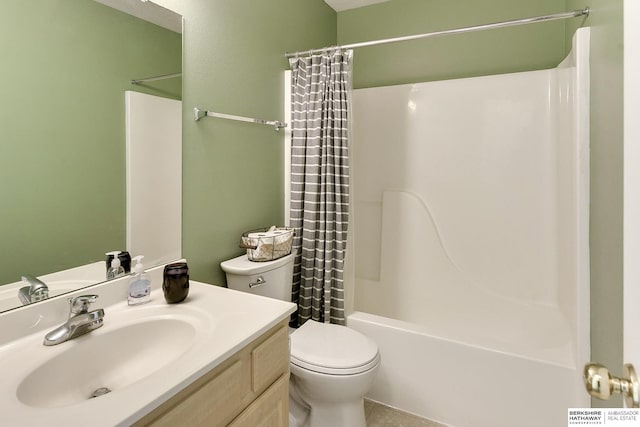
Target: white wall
{"type": "Point", "coordinates": [481, 154]}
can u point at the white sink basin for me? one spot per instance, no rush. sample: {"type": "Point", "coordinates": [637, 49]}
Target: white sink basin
{"type": "Point", "coordinates": [141, 349]}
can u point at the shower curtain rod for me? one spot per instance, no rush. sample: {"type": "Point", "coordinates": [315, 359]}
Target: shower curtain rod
{"type": "Point", "coordinates": [154, 78]}
{"type": "Point", "coordinates": [502, 24]}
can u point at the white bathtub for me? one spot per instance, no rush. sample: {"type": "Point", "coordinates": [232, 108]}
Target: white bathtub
{"type": "Point", "coordinates": [465, 385]}
{"type": "Point", "coordinates": [471, 258]}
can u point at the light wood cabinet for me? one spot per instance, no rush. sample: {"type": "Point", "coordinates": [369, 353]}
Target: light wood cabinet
{"type": "Point", "coordinates": [271, 409]}
{"type": "Point", "coordinates": [250, 388]}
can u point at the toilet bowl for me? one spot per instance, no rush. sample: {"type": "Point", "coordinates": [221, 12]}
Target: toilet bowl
{"type": "Point", "coordinates": [332, 366]}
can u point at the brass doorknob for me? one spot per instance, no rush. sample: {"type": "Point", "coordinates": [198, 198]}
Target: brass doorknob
{"type": "Point", "coordinates": [601, 384]}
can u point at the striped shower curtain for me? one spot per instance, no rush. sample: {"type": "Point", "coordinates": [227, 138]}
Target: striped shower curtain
{"type": "Point", "coordinates": [320, 183]}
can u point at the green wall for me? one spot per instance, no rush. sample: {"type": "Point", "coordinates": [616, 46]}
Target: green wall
{"type": "Point", "coordinates": [605, 21]}
{"type": "Point", "coordinates": [506, 50]}
{"type": "Point", "coordinates": [234, 63]}
{"type": "Point", "coordinates": [65, 67]}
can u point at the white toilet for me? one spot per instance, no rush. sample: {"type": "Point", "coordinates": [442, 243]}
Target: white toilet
{"type": "Point", "coordinates": [332, 366]}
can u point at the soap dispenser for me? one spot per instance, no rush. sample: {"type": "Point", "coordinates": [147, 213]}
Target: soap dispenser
{"type": "Point", "coordinates": [116, 270]}
{"type": "Point", "coordinates": [139, 285]}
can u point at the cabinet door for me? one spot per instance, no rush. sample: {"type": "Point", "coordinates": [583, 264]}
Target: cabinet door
{"type": "Point", "coordinates": [269, 360]}
{"type": "Point", "coordinates": [271, 409]}
{"type": "Point", "coordinates": [213, 404]}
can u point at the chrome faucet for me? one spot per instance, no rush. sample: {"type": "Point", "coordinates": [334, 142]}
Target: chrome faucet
{"type": "Point", "coordinates": [36, 291]}
{"type": "Point", "coordinates": [80, 321]}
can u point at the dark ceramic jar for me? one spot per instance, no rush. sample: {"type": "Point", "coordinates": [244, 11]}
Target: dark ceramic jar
{"type": "Point", "coordinates": [175, 283]}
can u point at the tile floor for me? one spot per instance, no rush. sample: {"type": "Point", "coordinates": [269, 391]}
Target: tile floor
{"type": "Point", "coordinates": [378, 415]}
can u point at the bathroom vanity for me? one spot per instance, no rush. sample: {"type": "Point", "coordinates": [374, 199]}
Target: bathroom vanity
{"type": "Point", "coordinates": [249, 388]}
{"type": "Point", "coordinates": [219, 358]}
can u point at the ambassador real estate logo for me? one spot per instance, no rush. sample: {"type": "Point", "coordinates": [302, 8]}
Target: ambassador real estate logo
{"type": "Point", "coordinates": [603, 417]}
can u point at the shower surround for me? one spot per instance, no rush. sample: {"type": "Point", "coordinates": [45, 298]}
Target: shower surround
{"type": "Point", "coordinates": [471, 258]}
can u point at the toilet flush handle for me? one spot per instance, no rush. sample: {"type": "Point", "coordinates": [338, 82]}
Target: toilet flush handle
{"type": "Point", "coordinates": [258, 282]}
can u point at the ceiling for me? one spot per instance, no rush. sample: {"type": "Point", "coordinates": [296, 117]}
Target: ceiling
{"type": "Point", "coordinates": [149, 12]}
{"type": "Point", "coordinates": [165, 18]}
{"type": "Point", "coordinates": [340, 5]}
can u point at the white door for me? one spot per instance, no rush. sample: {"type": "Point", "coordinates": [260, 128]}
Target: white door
{"type": "Point", "coordinates": [154, 177]}
{"type": "Point", "coordinates": [631, 182]}
{"type": "Point", "coordinates": [601, 383]}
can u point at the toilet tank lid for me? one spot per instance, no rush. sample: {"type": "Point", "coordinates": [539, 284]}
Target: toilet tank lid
{"type": "Point", "coordinates": [325, 345]}
{"type": "Point", "coordinates": [242, 266]}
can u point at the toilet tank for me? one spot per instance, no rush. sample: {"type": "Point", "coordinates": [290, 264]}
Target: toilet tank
{"type": "Point", "coordinates": [270, 279]}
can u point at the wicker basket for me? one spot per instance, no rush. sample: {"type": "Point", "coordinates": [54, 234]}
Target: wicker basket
{"type": "Point", "coordinates": [267, 244]}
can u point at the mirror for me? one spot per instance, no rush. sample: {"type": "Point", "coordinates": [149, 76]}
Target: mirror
{"type": "Point", "coordinates": [66, 67]}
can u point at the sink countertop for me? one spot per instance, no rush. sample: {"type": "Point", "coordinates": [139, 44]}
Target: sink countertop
{"type": "Point", "coordinates": [228, 320]}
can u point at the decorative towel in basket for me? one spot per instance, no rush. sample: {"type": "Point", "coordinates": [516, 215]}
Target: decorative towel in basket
{"type": "Point", "coordinates": [267, 244]}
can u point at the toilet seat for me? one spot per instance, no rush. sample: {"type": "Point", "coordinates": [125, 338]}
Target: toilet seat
{"type": "Point", "coordinates": [332, 349]}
